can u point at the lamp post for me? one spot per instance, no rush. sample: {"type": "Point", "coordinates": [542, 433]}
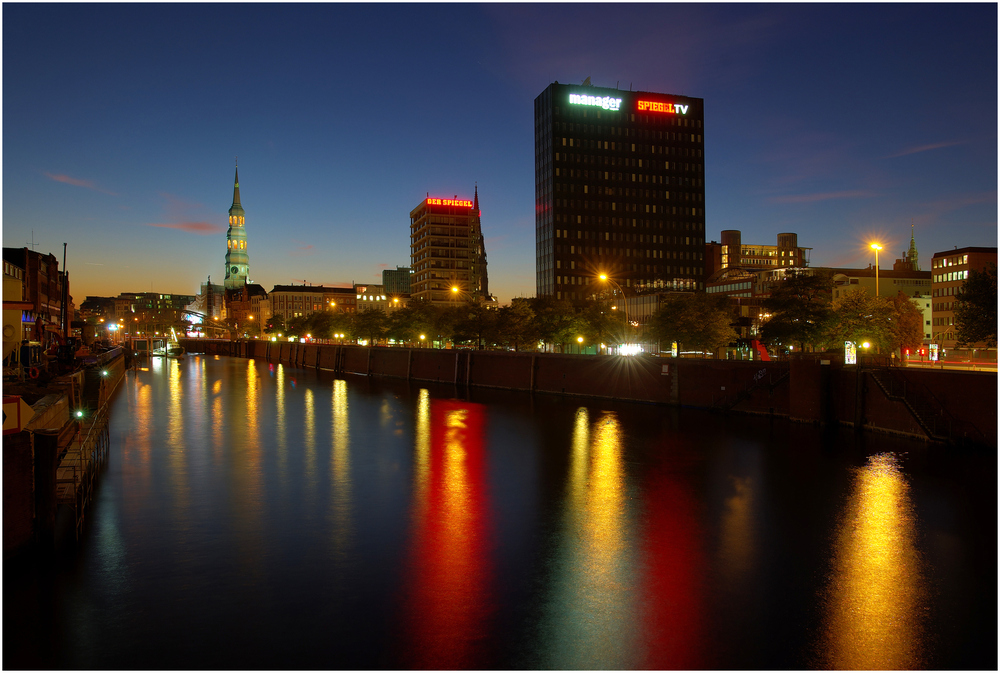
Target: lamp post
{"type": "Point", "coordinates": [604, 277]}
{"type": "Point", "coordinates": [876, 247]}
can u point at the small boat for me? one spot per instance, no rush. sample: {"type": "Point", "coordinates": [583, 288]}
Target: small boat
{"type": "Point", "coordinates": [172, 349]}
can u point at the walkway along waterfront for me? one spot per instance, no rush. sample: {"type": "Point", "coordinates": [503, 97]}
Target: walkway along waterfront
{"type": "Point", "coordinates": [952, 406]}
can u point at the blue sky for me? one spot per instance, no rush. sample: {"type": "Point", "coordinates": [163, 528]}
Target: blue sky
{"type": "Point", "coordinates": [121, 122]}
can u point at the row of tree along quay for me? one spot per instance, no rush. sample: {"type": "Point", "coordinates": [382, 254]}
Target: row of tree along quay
{"type": "Point", "coordinates": [801, 317]}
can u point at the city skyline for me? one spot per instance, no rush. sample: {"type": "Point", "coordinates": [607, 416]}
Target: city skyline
{"type": "Point", "coordinates": [123, 123]}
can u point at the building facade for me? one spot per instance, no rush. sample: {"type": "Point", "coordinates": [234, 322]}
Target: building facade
{"type": "Point", "coordinates": [619, 190]}
{"type": "Point", "coordinates": [733, 253]}
{"type": "Point", "coordinates": [447, 251]}
{"type": "Point", "coordinates": [949, 271]}
{"type": "Point", "coordinates": [293, 301]}
{"type": "Point", "coordinates": [396, 282]}
{"type": "Point", "coordinates": [44, 313]}
{"type": "Point", "coordinates": [237, 258]}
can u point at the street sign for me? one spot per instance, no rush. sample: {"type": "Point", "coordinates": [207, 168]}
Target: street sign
{"type": "Point", "coordinates": [16, 414]}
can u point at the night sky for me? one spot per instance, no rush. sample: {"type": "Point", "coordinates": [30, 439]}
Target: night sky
{"type": "Point", "coordinates": [121, 125]}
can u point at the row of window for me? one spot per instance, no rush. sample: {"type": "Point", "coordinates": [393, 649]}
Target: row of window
{"type": "Point", "coordinates": [645, 134]}
{"type": "Point", "coordinates": [649, 120]}
{"type": "Point", "coordinates": [649, 164]}
{"type": "Point", "coordinates": [236, 245]}
{"type": "Point", "coordinates": [949, 261]}
{"type": "Point", "coordinates": [627, 252]}
{"type": "Point", "coordinates": [626, 237]}
{"type": "Point", "coordinates": [236, 219]}
{"type": "Point", "coordinates": [951, 276]}
{"type": "Point", "coordinates": [946, 321]}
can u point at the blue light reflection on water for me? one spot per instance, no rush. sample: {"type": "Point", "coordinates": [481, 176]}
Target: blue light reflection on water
{"type": "Point", "coordinates": [255, 515]}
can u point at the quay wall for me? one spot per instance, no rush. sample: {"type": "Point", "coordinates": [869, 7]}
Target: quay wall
{"type": "Point", "coordinates": [806, 390]}
{"type": "Point", "coordinates": [30, 457]}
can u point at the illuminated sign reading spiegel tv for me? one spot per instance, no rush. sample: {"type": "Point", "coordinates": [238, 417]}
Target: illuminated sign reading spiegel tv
{"type": "Point", "coordinates": [658, 106]}
{"type": "Point", "coordinates": [449, 202]}
{"type": "Point", "coordinates": [609, 103]}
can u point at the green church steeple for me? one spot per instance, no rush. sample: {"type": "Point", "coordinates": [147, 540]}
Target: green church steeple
{"type": "Point", "coordinates": [237, 258]}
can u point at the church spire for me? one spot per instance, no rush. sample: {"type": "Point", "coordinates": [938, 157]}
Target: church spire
{"type": "Point", "coordinates": [236, 189]}
{"type": "Point", "coordinates": [911, 254]}
{"type": "Point", "coordinates": [237, 257]}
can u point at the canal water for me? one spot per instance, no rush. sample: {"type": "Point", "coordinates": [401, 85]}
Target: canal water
{"type": "Point", "coordinates": [259, 516]}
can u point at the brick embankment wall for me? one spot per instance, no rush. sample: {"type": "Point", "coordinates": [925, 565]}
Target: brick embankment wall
{"type": "Point", "coordinates": [803, 390]}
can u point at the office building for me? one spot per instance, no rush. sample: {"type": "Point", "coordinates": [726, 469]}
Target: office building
{"type": "Point", "coordinates": [396, 282]}
{"type": "Point", "coordinates": [949, 271]}
{"type": "Point", "coordinates": [619, 189]}
{"type": "Point", "coordinates": [732, 253]}
{"type": "Point", "coordinates": [447, 251]}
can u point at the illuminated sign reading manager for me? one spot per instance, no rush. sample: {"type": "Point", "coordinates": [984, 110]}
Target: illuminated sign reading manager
{"type": "Point", "coordinates": [657, 106]}
{"type": "Point", "coordinates": [606, 103]}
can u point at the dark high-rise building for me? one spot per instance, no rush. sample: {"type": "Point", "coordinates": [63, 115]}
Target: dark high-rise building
{"type": "Point", "coordinates": [619, 189]}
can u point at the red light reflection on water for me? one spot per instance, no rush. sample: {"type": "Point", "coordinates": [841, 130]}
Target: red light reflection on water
{"type": "Point", "coordinates": [448, 580]}
{"type": "Point", "coordinates": [672, 586]}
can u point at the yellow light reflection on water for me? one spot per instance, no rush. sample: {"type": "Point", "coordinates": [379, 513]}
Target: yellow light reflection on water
{"type": "Point", "coordinates": [340, 467]}
{"type": "Point", "coordinates": [281, 430]}
{"type": "Point", "coordinates": [591, 610]}
{"type": "Point", "coordinates": [311, 477]}
{"type": "Point", "coordinates": [422, 455]}
{"type": "Point", "coordinates": [874, 617]}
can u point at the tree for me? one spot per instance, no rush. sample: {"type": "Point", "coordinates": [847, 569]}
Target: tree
{"type": "Point", "coordinates": [516, 323]}
{"type": "Point", "coordinates": [408, 323]}
{"type": "Point", "coordinates": [976, 308]}
{"type": "Point", "coordinates": [371, 324]}
{"type": "Point", "coordinates": [554, 320]}
{"type": "Point", "coordinates": [597, 323]}
{"type": "Point", "coordinates": [906, 328]}
{"type": "Point", "coordinates": [695, 319]}
{"type": "Point", "coordinates": [858, 317]}
{"type": "Point", "coordinates": [477, 322]}
{"type": "Point", "coordinates": [275, 325]}
{"type": "Point", "coordinates": [799, 309]}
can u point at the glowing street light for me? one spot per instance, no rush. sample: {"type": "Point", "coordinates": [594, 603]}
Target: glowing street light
{"type": "Point", "coordinates": [876, 247]}
{"type": "Point", "coordinates": [607, 279]}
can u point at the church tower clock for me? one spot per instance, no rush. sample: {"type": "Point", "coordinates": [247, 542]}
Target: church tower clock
{"type": "Point", "coordinates": [237, 260]}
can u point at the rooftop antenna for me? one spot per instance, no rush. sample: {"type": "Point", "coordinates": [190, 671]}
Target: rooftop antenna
{"type": "Point", "coordinates": [33, 244]}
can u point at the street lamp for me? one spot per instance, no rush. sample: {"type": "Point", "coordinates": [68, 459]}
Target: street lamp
{"type": "Point", "coordinates": [604, 277]}
{"type": "Point", "coordinates": [876, 247]}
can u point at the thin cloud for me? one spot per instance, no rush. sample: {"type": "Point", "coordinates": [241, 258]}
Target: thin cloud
{"type": "Point", "coordinates": [77, 182]}
{"type": "Point", "coordinates": [303, 249]}
{"type": "Point", "coordinates": [924, 148]}
{"type": "Point", "coordinates": [823, 196]}
{"type": "Point", "coordinates": [201, 228]}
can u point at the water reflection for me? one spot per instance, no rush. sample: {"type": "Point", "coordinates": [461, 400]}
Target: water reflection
{"type": "Point", "coordinates": [340, 467]}
{"type": "Point", "coordinates": [450, 574]}
{"type": "Point", "coordinates": [874, 616]}
{"type": "Point", "coordinates": [673, 592]}
{"type": "Point", "coordinates": [591, 617]}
